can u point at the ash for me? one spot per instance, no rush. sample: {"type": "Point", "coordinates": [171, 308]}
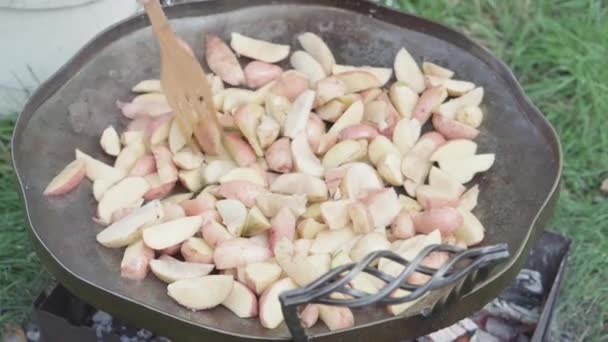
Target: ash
{"type": "Point", "coordinates": [510, 317]}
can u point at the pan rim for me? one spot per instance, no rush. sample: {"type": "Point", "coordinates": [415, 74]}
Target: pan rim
{"type": "Point", "coordinates": [138, 22]}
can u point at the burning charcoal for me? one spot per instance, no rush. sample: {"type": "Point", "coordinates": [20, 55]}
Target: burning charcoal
{"type": "Point", "coordinates": [468, 324]}
{"type": "Point", "coordinates": [102, 318]}
{"type": "Point", "coordinates": [482, 336]}
{"type": "Point", "coordinates": [500, 328]}
{"type": "Point", "coordinates": [33, 332]}
{"type": "Point", "coordinates": [144, 334]}
{"type": "Point", "coordinates": [448, 334]}
{"type": "Point", "coordinates": [508, 310]}
{"type": "Point", "coordinates": [522, 301]}
{"type": "Point", "coordinates": [161, 339]}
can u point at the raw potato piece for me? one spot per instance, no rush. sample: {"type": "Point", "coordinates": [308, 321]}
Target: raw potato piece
{"type": "Point", "coordinates": [360, 217]}
{"type": "Point", "coordinates": [191, 180]}
{"type": "Point", "coordinates": [367, 244]}
{"type": "Point", "coordinates": [300, 183]}
{"type": "Point", "coordinates": [352, 116]}
{"type": "Point", "coordinates": [471, 231]}
{"type": "Point", "coordinates": [197, 250]}
{"type": "Point", "coordinates": [148, 86]}
{"type": "Point", "coordinates": [260, 275]}
{"type": "Point", "coordinates": [248, 174]}
{"type": "Point", "coordinates": [170, 270]}
{"type": "Point", "coordinates": [239, 252]}
{"type": "Point", "coordinates": [135, 261]}
{"type": "Point", "coordinates": [244, 191]}
{"type": "Point", "coordinates": [271, 314]}
{"type": "Point", "coordinates": [268, 131]}
{"type": "Point", "coordinates": [336, 317]}
{"type": "Point", "coordinates": [120, 196]}
{"type": "Point", "coordinates": [187, 159]}
{"type": "Point", "coordinates": [463, 170]}
{"type": "Point", "coordinates": [452, 129]}
{"type": "Point", "coordinates": [222, 61]}
{"type": "Point", "coordinates": [472, 98]}
{"type": "Point", "coordinates": [270, 203]}
{"type": "Point", "coordinates": [454, 87]}
{"type": "Point", "coordinates": [383, 75]}
{"type": "Point", "coordinates": [167, 172]}
{"type": "Point", "coordinates": [304, 160]}
{"type": "Point", "coordinates": [380, 147]}
{"type": "Point", "coordinates": [329, 241]}
{"type": "Point", "coordinates": [359, 179]}
{"type": "Point", "coordinates": [306, 64]}
{"type": "Point", "coordinates": [470, 116]}
{"type": "Point", "coordinates": [170, 233]}
{"type": "Point", "coordinates": [279, 156]}
{"type": "Point", "coordinates": [129, 156]}
{"type": "Point", "coordinates": [128, 229]}
{"type": "Point", "coordinates": [389, 169]}
{"type": "Point", "coordinates": [110, 142]}
{"type": "Point", "coordinates": [247, 119]}
{"type": "Point", "coordinates": [234, 215]}
{"type": "Point", "coordinates": [187, 292]}
{"type": "Point", "coordinates": [290, 84]}
{"type": "Point", "coordinates": [328, 89]}
{"type": "Point", "coordinates": [241, 301]}
{"type": "Point", "coordinates": [454, 150]}
{"type": "Point", "coordinates": [309, 228]}
{"type": "Point", "coordinates": [216, 169]}
{"type": "Point", "coordinates": [67, 179]}
{"type": "Point", "coordinates": [383, 205]}
{"type": "Point", "coordinates": [406, 134]}
{"type": "Point", "coordinates": [158, 189]}
{"type": "Point", "coordinates": [310, 315]}
{"type": "Point", "coordinates": [283, 226]}
{"type": "Point", "coordinates": [444, 182]}
{"type": "Point", "coordinates": [297, 117]}
{"type": "Point", "coordinates": [258, 49]}
{"type": "Point", "coordinates": [468, 201]}
{"type": "Point", "coordinates": [446, 220]}
{"type": "Point", "coordinates": [335, 213]}
{"type": "Point", "coordinates": [357, 81]}
{"type": "Point", "coordinates": [432, 69]}
{"type": "Point", "coordinates": [214, 233]}
{"type": "Point", "coordinates": [259, 74]}
{"type": "Point", "coordinates": [407, 71]}
{"type": "Point", "coordinates": [404, 99]}
{"type": "Point", "coordinates": [97, 170]}
{"type": "Point", "coordinates": [428, 102]}
{"type": "Point", "coordinates": [343, 152]}
{"type": "Point", "coordinates": [317, 48]}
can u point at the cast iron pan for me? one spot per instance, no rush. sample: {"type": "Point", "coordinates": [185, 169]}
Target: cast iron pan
{"type": "Point", "coordinates": [517, 198]}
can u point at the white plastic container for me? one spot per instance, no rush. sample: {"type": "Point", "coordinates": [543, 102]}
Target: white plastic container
{"type": "Point", "coordinates": [39, 36]}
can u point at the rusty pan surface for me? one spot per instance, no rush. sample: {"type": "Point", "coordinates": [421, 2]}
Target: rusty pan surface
{"type": "Point", "coordinates": [517, 197]}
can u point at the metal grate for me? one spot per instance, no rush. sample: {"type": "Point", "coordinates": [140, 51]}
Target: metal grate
{"type": "Point", "coordinates": [461, 264]}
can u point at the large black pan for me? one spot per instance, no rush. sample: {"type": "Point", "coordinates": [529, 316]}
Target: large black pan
{"type": "Point", "coordinates": [517, 197]}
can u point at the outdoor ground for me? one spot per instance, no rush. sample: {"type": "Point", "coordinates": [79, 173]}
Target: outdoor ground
{"type": "Point", "coordinates": [559, 51]}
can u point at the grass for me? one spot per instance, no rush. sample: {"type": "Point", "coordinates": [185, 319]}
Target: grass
{"type": "Point", "coordinates": [558, 50]}
{"type": "Point", "coordinates": [21, 275]}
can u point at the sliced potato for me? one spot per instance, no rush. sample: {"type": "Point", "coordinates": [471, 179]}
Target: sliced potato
{"type": "Point", "coordinates": [258, 49]}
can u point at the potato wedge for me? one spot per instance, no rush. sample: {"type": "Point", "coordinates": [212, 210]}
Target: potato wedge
{"type": "Point", "coordinates": [258, 49]}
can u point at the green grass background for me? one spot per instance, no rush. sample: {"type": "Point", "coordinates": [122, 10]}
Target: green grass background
{"type": "Point", "coordinates": [558, 49]}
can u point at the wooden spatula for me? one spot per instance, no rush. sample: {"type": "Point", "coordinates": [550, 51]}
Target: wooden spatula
{"type": "Point", "coordinates": [185, 85]}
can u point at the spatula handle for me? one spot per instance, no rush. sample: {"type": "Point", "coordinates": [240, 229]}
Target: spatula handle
{"type": "Point", "coordinates": [157, 17]}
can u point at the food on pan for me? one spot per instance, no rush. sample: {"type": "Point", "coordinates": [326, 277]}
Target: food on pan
{"type": "Point", "coordinates": [312, 176]}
